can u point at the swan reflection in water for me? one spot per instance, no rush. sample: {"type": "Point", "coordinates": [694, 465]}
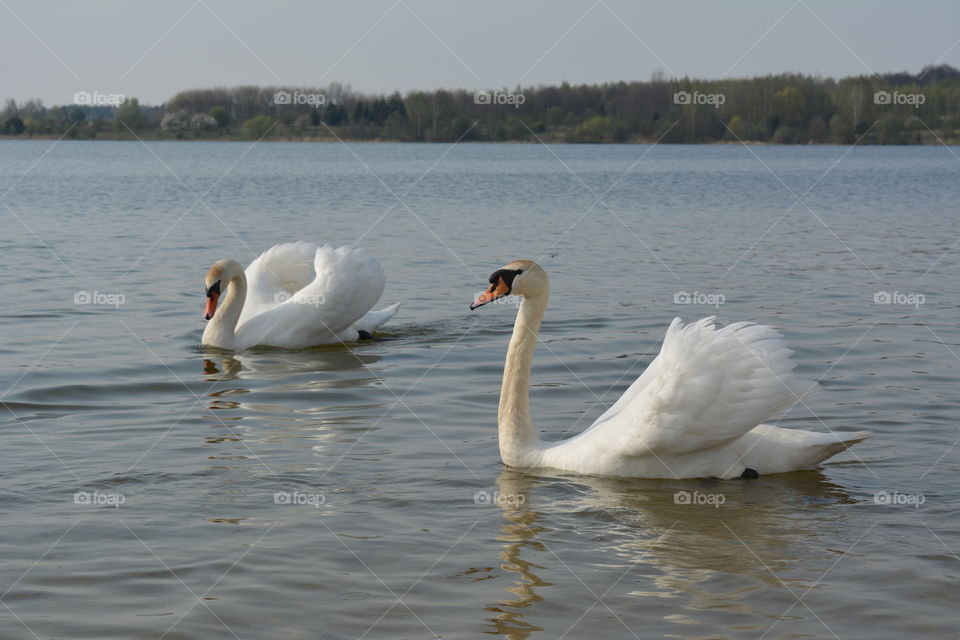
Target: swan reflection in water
{"type": "Point", "coordinates": [660, 546]}
{"type": "Point", "coordinates": [282, 394]}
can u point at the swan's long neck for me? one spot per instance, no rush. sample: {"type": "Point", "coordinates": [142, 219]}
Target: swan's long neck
{"type": "Point", "coordinates": [219, 331]}
{"type": "Point", "coordinates": [516, 435]}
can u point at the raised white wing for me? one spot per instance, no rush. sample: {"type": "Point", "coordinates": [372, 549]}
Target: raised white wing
{"type": "Point", "coordinates": [278, 272]}
{"type": "Point", "coordinates": [707, 386]}
{"type": "Point", "coordinates": [348, 282]}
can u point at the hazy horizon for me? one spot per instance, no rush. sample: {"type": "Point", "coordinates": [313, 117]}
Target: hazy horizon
{"type": "Point", "coordinates": [402, 45]}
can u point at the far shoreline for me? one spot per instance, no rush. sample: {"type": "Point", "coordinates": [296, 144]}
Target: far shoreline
{"type": "Point", "coordinates": [313, 140]}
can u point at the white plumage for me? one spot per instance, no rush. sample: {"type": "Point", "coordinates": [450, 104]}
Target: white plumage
{"type": "Point", "coordinates": [297, 295]}
{"type": "Point", "coordinates": [697, 411]}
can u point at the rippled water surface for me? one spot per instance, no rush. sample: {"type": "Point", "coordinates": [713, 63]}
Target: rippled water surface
{"type": "Point", "coordinates": [147, 483]}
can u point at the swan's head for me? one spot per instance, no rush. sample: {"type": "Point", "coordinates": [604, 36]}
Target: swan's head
{"type": "Point", "coordinates": [520, 278]}
{"type": "Point", "coordinates": [220, 275]}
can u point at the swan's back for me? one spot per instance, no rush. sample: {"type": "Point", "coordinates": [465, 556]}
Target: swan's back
{"type": "Point", "coordinates": [347, 283]}
{"type": "Point", "coordinates": [278, 272]}
{"type": "Point", "coordinates": [707, 388]}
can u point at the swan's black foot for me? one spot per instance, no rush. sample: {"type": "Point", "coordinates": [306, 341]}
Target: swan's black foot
{"type": "Point", "coordinates": [365, 335]}
{"type": "Point", "coordinates": [750, 474]}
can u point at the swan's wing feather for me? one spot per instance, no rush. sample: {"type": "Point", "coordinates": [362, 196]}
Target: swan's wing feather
{"type": "Point", "coordinates": [348, 283]}
{"type": "Point", "coordinates": [707, 386]}
{"type": "Point", "coordinates": [373, 319]}
{"type": "Point", "coordinates": [279, 271]}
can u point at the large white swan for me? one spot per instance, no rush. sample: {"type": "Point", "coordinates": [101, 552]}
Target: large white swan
{"type": "Point", "coordinates": [695, 412]}
{"type": "Point", "coordinates": [294, 295]}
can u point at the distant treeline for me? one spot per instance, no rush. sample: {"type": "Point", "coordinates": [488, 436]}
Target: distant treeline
{"type": "Point", "coordinates": [895, 108]}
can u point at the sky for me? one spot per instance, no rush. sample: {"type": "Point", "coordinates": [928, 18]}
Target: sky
{"type": "Point", "coordinates": [151, 50]}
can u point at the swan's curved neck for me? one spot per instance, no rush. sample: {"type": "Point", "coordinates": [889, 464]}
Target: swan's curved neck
{"type": "Point", "coordinates": [517, 438]}
{"type": "Point", "coordinates": [221, 328]}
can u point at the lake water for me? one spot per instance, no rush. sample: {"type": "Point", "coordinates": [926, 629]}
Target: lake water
{"type": "Point", "coordinates": [155, 490]}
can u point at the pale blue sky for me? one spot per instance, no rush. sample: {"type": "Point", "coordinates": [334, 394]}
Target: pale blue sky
{"type": "Point", "coordinates": [52, 49]}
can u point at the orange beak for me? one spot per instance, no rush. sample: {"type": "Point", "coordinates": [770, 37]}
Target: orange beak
{"type": "Point", "coordinates": [211, 307]}
{"type": "Point", "coordinates": [496, 290]}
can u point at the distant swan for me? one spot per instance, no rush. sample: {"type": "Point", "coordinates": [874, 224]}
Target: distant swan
{"type": "Point", "coordinates": [294, 295]}
{"type": "Point", "coordinates": [695, 412]}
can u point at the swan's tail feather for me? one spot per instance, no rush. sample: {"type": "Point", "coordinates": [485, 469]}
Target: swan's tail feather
{"type": "Point", "coordinates": [833, 444]}
{"type": "Point", "coordinates": [374, 319]}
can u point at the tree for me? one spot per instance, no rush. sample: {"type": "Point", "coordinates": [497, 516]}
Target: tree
{"type": "Point", "coordinates": [257, 127]}
{"type": "Point", "coordinates": [14, 126]}
{"type": "Point", "coordinates": [128, 116]}
{"type": "Point", "coordinates": [220, 115]}
{"type": "Point", "coordinates": [334, 115]}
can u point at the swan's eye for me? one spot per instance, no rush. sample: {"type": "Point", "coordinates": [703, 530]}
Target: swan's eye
{"type": "Point", "coordinates": [519, 271]}
{"type": "Point", "coordinates": [214, 289]}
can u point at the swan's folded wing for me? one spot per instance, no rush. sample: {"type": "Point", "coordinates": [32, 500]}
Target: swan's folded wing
{"type": "Point", "coordinates": [348, 283]}
{"type": "Point", "coordinates": [707, 387]}
{"type": "Point", "coordinates": [277, 273]}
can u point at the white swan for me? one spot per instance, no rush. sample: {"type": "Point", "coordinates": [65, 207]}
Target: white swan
{"type": "Point", "coordinates": [695, 412]}
{"type": "Point", "coordinates": [294, 296]}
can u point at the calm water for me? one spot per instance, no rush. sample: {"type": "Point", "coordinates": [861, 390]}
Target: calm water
{"type": "Point", "coordinates": [408, 525]}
